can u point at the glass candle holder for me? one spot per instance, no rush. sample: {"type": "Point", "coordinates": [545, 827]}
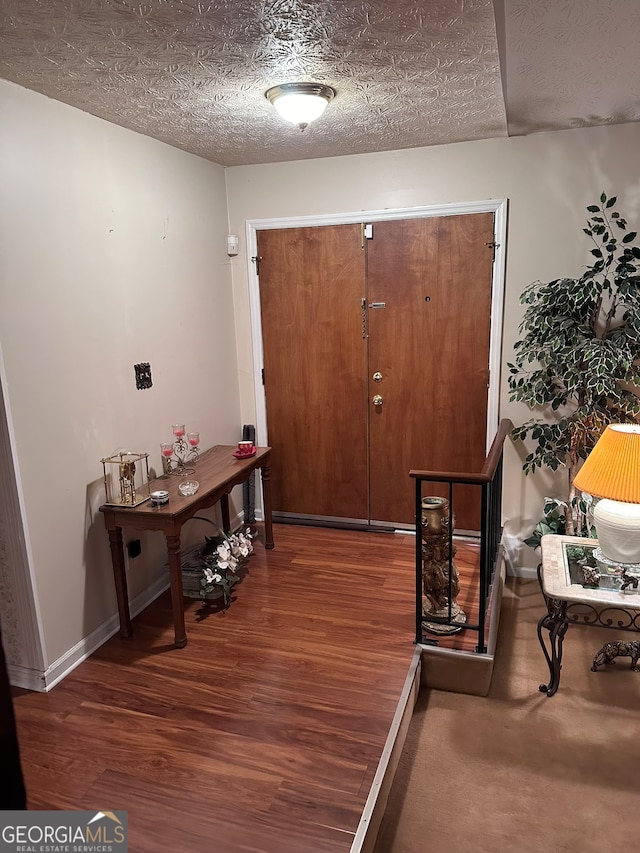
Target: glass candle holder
{"type": "Point", "coordinates": [178, 456]}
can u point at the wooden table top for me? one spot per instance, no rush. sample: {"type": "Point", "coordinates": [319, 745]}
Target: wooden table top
{"type": "Point", "coordinates": [216, 470]}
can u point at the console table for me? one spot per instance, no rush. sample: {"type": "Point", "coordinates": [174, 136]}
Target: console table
{"type": "Point", "coordinates": [570, 600]}
{"type": "Point", "coordinates": [217, 471]}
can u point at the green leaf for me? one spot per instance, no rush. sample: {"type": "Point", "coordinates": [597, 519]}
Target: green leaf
{"type": "Point", "coordinates": [630, 236]}
{"type": "Point", "coordinates": [570, 360]}
{"type": "Point", "coordinates": [593, 208]}
{"type": "Point", "coordinates": [611, 201]}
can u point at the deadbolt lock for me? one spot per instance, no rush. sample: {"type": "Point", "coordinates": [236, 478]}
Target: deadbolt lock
{"type": "Point", "coordinates": [377, 400]}
{"type": "Point", "coordinates": [377, 376]}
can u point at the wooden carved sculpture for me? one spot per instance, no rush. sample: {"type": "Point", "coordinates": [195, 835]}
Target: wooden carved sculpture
{"type": "Point", "coordinates": [440, 579]}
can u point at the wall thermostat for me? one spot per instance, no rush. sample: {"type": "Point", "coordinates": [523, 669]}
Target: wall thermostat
{"type": "Point", "coordinates": [232, 244]}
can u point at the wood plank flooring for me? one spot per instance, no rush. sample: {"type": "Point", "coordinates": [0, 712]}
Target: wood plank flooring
{"type": "Point", "coordinates": [261, 736]}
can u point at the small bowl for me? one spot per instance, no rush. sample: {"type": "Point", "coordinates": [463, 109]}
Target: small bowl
{"type": "Point", "coordinates": [159, 498]}
{"type": "Point", "coordinates": [188, 487]}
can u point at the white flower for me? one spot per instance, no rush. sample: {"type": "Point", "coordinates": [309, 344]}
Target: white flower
{"type": "Point", "coordinates": [224, 552]}
{"type": "Point", "coordinates": [227, 557]}
{"type": "Point", "coordinates": [211, 576]}
{"type": "Point", "coordinates": [239, 546]}
{"type": "Point", "coordinates": [245, 544]}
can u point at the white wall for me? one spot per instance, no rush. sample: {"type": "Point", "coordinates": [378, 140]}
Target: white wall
{"type": "Point", "coordinates": [549, 179]}
{"type": "Point", "coordinates": [112, 252]}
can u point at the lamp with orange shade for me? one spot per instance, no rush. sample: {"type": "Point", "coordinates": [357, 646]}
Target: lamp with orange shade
{"type": "Point", "coordinates": [611, 472]}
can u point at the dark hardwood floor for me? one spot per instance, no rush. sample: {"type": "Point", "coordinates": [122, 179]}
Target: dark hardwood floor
{"type": "Point", "coordinates": [265, 732]}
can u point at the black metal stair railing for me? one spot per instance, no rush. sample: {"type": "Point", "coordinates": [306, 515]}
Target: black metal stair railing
{"type": "Point", "coordinates": [489, 480]}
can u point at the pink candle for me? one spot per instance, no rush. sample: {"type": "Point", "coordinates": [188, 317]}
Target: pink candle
{"type": "Point", "coordinates": [178, 430]}
{"type": "Point", "coordinates": [193, 438]}
{"type": "Point", "coordinates": [166, 450]}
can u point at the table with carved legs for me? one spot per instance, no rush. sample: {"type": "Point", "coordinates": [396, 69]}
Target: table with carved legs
{"type": "Point", "coordinates": [217, 471]}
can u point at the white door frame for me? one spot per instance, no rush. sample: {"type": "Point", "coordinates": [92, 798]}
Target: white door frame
{"type": "Point", "coordinates": [495, 206]}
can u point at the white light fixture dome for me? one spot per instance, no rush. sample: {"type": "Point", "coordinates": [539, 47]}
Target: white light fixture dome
{"type": "Point", "coordinates": [300, 103]}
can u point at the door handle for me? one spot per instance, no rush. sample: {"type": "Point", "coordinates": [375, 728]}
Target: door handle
{"type": "Point", "coordinates": [377, 400]}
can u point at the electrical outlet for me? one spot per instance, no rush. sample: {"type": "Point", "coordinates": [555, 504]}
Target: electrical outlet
{"type": "Point", "coordinates": [134, 548]}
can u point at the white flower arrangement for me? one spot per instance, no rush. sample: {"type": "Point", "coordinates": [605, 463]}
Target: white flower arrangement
{"type": "Point", "coordinates": [219, 573]}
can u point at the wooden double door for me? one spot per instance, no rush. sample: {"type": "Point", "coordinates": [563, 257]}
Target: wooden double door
{"type": "Point", "coordinates": [376, 361]}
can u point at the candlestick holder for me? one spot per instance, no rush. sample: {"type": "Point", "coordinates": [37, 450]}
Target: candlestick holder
{"type": "Point", "coordinates": [179, 457]}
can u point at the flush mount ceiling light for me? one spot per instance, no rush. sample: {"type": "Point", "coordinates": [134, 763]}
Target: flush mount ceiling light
{"type": "Point", "coordinates": [300, 103]}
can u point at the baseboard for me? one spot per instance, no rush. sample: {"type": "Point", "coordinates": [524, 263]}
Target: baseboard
{"type": "Point", "coordinates": [524, 572]}
{"type": "Point", "coordinates": [29, 679]}
{"type": "Point", "coordinates": [334, 523]}
{"type": "Point", "coordinates": [367, 832]}
{"type": "Point", "coordinates": [44, 681]}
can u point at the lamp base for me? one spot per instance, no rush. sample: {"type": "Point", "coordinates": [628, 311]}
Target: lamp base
{"type": "Point", "coordinates": [618, 528]}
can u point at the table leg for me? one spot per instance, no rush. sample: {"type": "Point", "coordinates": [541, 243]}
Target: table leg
{"type": "Point", "coordinates": [266, 498]}
{"type": "Point", "coordinates": [120, 577]}
{"type": "Point", "coordinates": [226, 518]}
{"type": "Point", "coordinates": [177, 599]}
{"type": "Point", "coordinates": [555, 622]}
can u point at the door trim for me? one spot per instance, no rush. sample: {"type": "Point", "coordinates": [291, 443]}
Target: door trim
{"type": "Point", "coordinates": [496, 206]}
{"type": "Point", "coordinates": [23, 632]}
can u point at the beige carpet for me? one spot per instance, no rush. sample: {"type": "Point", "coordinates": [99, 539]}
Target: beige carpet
{"type": "Point", "coordinates": [517, 771]}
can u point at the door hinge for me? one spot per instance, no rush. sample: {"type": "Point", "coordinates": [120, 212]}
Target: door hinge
{"type": "Point", "coordinates": [262, 375]}
{"type": "Point", "coordinates": [493, 246]}
{"type": "Point", "coordinates": [256, 260]}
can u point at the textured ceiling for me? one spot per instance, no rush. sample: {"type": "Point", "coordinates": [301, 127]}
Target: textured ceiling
{"type": "Point", "coordinates": [193, 72]}
{"type": "Point", "coordinates": [571, 63]}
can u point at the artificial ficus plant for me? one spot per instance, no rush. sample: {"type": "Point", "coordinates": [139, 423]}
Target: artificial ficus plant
{"type": "Point", "coordinates": [578, 361]}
